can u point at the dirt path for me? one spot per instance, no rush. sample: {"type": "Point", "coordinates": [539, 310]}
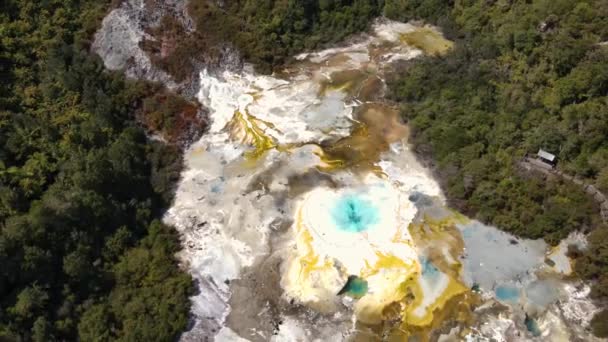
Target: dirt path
{"type": "Point", "coordinates": [599, 197]}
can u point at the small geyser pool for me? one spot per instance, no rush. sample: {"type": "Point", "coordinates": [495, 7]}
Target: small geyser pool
{"type": "Point", "coordinates": [429, 271]}
{"type": "Point", "coordinates": [507, 293]}
{"type": "Point", "coordinates": [355, 287]}
{"type": "Point", "coordinates": [354, 214]}
{"type": "Point", "coordinates": [532, 326]}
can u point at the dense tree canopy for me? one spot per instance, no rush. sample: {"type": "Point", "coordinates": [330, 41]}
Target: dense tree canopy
{"type": "Point", "coordinates": [266, 32]}
{"type": "Point", "coordinates": [524, 75]}
{"type": "Point", "coordinates": [81, 252]}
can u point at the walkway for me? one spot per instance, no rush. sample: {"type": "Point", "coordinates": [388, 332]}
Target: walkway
{"type": "Point", "coordinates": [601, 199]}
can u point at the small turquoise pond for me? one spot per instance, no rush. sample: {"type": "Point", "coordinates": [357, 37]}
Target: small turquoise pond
{"type": "Point", "coordinates": [354, 214]}
{"type": "Point", "coordinates": [429, 271]}
{"type": "Point", "coordinates": [532, 326]}
{"type": "Point", "coordinates": [355, 287]}
{"type": "Point", "coordinates": [217, 185]}
{"type": "Point", "coordinates": [507, 293]}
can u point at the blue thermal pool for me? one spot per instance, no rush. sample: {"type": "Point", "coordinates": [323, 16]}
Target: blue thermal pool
{"type": "Point", "coordinates": [353, 214]}
{"type": "Point", "coordinates": [532, 326]}
{"type": "Point", "coordinates": [507, 293]}
{"type": "Point", "coordinates": [355, 287]}
{"type": "Point", "coordinates": [429, 271]}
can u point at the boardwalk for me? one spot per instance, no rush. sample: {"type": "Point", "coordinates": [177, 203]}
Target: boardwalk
{"type": "Point", "coordinates": [601, 199]}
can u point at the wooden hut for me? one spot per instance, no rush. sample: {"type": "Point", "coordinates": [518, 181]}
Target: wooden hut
{"type": "Point", "coordinates": [547, 157]}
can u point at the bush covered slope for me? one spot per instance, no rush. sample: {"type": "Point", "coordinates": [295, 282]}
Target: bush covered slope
{"type": "Point", "coordinates": [266, 32]}
{"type": "Point", "coordinates": [81, 254]}
{"type": "Point", "coordinates": [524, 75]}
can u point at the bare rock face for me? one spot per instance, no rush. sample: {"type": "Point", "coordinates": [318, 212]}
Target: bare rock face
{"type": "Point", "coordinates": [118, 41]}
{"type": "Point", "coordinates": [121, 41]}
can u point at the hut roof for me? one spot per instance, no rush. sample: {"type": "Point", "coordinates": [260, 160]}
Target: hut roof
{"type": "Point", "coordinates": [546, 155]}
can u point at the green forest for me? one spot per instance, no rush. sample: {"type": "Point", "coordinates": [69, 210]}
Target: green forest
{"type": "Point", "coordinates": [266, 33]}
{"type": "Point", "coordinates": [82, 253]}
{"type": "Point", "coordinates": [523, 75]}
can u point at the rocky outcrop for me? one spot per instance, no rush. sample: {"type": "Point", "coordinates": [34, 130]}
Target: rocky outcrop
{"type": "Point", "coordinates": [136, 24]}
{"type": "Point", "coordinates": [118, 40]}
{"type": "Point", "coordinates": [120, 44]}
